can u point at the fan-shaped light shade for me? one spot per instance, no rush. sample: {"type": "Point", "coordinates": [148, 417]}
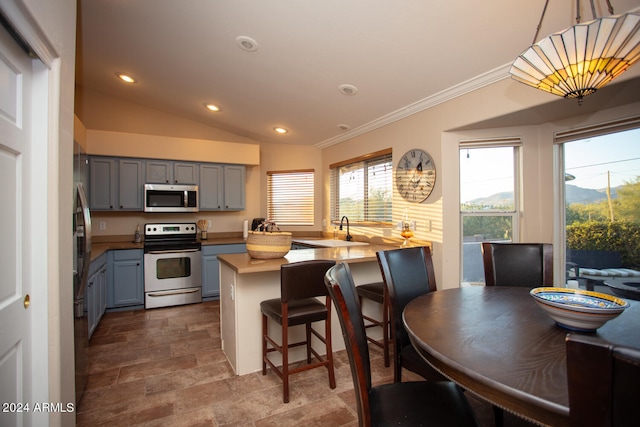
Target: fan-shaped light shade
{"type": "Point", "coordinates": [579, 60]}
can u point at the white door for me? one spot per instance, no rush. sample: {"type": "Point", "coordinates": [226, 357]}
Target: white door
{"type": "Point", "coordinates": [15, 263]}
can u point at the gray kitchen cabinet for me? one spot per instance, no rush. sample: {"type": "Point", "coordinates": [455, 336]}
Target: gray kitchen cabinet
{"type": "Point", "coordinates": [116, 184]}
{"type": "Point", "coordinates": [169, 172]}
{"type": "Point", "coordinates": [96, 293]}
{"type": "Point", "coordinates": [102, 175]}
{"type": "Point", "coordinates": [234, 187]}
{"type": "Point", "coordinates": [222, 187]}
{"type": "Point", "coordinates": [126, 281]}
{"type": "Point", "coordinates": [211, 266]}
{"type": "Point", "coordinates": [130, 176]}
{"type": "Point", "coordinates": [211, 187]}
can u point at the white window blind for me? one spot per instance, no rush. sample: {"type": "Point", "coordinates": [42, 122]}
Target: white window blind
{"type": "Point", "coordinates": [362, 189]}
{"type": "Point", "coordinates": [290, 197]}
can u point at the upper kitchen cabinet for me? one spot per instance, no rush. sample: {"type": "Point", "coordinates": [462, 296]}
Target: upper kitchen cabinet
{"type": "Point", "coordinates": [130, 184]}
{"type": "Point", "coordinates": [222, 187]}
{"type": "Point", "coordinates": [234, 187]}
{"type": "Point", "coordinates": [212, 188]}
{"type": "Point", "coordinates": [167, 172]}
{"type": "Point", "coordinates": [115, 184]}
{"type": "Point", "coordinates": [102, 188]}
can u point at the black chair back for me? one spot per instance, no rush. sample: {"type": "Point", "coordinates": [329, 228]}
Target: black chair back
{"type": "Point", "coordinates": [518, 264]}
{"type": "Point", "coordinates": [603, 381]}
{"type": "Point", "coordinates": [303, 279]}
{"type": "Point", "coordinates": [407, 273]}
{"type": "Point", "coordinates": [342, 290]}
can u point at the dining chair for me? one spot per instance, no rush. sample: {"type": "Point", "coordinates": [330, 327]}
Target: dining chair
{"type": "Point", "coordinates": [407, 273]}
{"type": "Point", "coordinates": [377, 292]}
{"type": "Point", "coordinates": [437, 403]}
{"type": "Point", "coordinates": [518, 264]}
{"type": "Point", "coordinates": [603, 381]}
{"type": "Point", "coordinates": [300, 284]}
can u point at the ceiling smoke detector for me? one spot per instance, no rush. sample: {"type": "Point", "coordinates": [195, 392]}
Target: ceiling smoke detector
{"type": "Point", "coordinates": [348, 90]}
{"type": "Point", "coordinates": [247, 43]}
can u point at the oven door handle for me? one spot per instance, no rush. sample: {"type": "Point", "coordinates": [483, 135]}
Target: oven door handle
{"type": "Point", "coordinates": [177, 292]}
{"type": "Point", "coordinates": [174, 251]}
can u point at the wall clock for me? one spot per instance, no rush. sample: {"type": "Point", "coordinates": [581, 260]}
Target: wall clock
{"type": "Point", "coordinates": [415, 175]}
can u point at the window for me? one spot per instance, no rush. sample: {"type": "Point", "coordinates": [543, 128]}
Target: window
{"type": "Point", "coordinates": [601, 170]}
{"type": "Point", "coordinates": [362, 189]}
{"type": "Point", "coordinates": [290, 197]}
{"type": "Point", "coordinates": [488, 199]}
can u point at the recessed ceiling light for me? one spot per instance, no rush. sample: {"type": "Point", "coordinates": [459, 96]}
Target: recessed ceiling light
{"type": "Point", "coordinates": [348, 90]}
{"type": "Point", "coordinates": [247, 43]}
{"type": "Point", "coordinates": [126, 78]}
{"type": "Point", "coordinates": [212, 107]}
{"type": "Point", "coordinates": [280, 130]}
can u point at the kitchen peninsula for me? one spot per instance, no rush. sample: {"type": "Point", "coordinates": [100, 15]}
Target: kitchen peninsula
{"type": "Point", "coordinates": [245, 282]}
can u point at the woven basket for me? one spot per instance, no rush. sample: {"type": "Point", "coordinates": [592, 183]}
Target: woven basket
{"type": "Point", "coordinates": [268, 244]}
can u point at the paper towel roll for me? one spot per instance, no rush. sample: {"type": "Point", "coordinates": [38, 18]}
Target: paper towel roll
{"type": "Point", "coordinates": [245, 229]}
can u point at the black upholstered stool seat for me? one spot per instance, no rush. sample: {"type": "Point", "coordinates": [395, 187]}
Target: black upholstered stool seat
{"type": "Point", "coordinates": [300, 312]}
{"type": "Point", "coordinates": [372, 291]}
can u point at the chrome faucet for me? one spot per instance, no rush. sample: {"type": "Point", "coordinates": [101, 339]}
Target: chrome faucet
{"type": "Point", "coordinates": [348, 238]}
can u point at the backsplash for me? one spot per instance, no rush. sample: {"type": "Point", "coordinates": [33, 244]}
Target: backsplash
{"type": "Point", "coordinates": [124, 224]}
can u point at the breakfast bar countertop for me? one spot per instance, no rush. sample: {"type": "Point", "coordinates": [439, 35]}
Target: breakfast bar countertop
{"type": "Point", "coordinates": [243, 263]}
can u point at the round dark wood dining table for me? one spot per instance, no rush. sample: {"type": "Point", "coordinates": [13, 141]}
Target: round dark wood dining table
{"type": "Point", "coordinates": [497, 343]}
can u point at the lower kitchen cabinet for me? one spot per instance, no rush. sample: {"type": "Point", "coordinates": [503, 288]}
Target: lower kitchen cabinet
{"type": "Point", "coordinates": [126, 281]}
{"type": "Point", "coordinates": [95, 296]}
{"type": "Point", "coordinates": [211, 267]}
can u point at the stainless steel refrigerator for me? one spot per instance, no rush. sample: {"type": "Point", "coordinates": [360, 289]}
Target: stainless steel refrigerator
{"type": "Point", "coordinates": [81, 263]}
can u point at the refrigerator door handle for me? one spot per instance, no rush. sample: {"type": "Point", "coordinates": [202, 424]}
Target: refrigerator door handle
{"type": "Point", "coordinates": [86, 251]}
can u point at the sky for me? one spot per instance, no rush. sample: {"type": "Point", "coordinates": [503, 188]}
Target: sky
{"type": "Point", "coordinates": [590, 159]}
{"type": "Point", "coordinates": [485, 171]}
{"type": "Point", "coordinates": [488, 171]}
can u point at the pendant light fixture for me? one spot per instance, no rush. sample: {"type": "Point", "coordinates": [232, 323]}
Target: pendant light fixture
{"type": "Point", "coordinates": [576, 62]}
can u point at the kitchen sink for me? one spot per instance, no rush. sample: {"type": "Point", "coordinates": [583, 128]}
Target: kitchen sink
{"type": "Point", "coordinates": [328, 243]}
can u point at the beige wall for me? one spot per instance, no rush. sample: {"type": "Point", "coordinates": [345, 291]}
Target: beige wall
{"type": "Point", "coordinates": [504, 108]}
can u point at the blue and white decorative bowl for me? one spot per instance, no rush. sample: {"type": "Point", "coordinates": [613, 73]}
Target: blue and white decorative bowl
{"type": "Point", "coordinates": [578, 310]}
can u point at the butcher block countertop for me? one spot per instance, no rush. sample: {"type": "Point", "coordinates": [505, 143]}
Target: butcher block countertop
{"type": "Point", "coordinates": [243, 263]}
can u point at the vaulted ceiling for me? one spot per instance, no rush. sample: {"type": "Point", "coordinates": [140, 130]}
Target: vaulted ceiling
{"type": "Point", "coordinates": [396, 57]}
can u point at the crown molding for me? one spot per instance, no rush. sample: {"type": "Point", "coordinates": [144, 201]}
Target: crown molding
{"type": "Point", "coordinates": [463, 88]}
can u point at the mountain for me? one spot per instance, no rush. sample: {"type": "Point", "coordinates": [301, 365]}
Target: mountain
{"type": "Point", "coordinates": [574, 194]}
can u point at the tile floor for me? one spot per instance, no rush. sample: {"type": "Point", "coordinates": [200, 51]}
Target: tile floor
{"type": "Point", "coordinates": [165, 367]}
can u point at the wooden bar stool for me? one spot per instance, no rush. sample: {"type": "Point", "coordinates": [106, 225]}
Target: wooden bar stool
{"type": "Point", "coordinates": [300, 284]}
{"type": "Point", "coordinates": [377, 292]}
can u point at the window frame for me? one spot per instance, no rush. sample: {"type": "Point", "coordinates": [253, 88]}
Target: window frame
{"type": "Point", "coordinates": [559, 139]}
{"type": "Point", "coordinates": [514, 214]}
{"type": "Point", "coordinates": [367, 161]}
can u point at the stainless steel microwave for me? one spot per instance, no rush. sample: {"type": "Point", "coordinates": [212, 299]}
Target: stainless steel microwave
{"type": "Point", "coordinates": [170, 198]}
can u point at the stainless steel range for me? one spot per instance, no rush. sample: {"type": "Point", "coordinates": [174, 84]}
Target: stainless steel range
{"type": "Point", "coordinates": [172, 265]}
